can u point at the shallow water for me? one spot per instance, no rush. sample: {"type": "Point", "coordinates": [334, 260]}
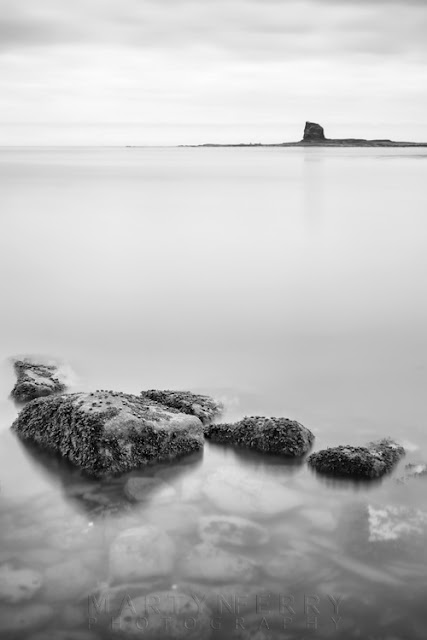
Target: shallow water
{"type": "Point", "coordinates": [284, 282]}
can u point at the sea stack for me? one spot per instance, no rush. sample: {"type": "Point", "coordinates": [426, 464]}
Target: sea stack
{"type": "Point", "coordinates": [313, 132]}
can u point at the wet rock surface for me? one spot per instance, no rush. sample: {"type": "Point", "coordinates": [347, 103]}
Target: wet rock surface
{"type": "Point", "coordinates": [35, 381]}
{"type": "Point", "coordinates": [141, 552]}
{"type": "Point", "coordinates": [108, 432]}
{"type": "Point", "coordinates": [231, 530]}
{"type": "Point", "coordinates": [249, 495]}
{"type": "Point", "coordinates": [269, 435]}
{"type": "Point", "coordinates": [371, 461]}
{"type": "Point", "coordinates": [204, 407]}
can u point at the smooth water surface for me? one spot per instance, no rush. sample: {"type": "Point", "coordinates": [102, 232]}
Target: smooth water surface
{"type": "Point", "coordinates": [286, 282]}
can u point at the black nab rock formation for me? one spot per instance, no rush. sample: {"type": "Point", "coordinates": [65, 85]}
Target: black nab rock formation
{"type": "Point", "coordinates": [108, 432]}
{"type": "Point", "coordinates": [313, 132]}
{"type": "Point", "coordinates": [203, 407]}
{"type": "Point", "coordinates": [35, 380]}
{"type": "Point", "coordinates": [269, 435]}
{"type": "Point", "coordinates": [371, 461]}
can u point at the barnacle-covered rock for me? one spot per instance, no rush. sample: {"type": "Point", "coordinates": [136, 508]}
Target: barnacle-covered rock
{"type": "Point", "coordinates": [204, 407]}
{"type": "Point", "coordinates": [36, 380]}
{"type": "Point", "coordinates": [108, 432]}
{"type": "Point", "coordinates": [269, 435]}
{"type": "Point", "coordinates": [371, 461]}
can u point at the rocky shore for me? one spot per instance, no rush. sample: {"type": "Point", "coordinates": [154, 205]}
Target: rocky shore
{"type": "Point", "coordinates": [314, 136]}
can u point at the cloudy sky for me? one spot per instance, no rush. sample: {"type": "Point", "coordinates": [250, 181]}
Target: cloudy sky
{"type": "Point", "coordinates": [184, 71]}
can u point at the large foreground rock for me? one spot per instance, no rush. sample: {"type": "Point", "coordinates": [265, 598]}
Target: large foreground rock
{"type": "Point", "coordinates": [35, 381]}
{"type": "Point", "coordinates": [371, 461]}
{"type": "Point", "coordinates": [203, 407]}
{"type": "Point", "coordinates": [108, 432]}
{"type": "Point", "coordinates": [269, 435]}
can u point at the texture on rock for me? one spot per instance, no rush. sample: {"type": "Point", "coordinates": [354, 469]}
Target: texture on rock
{"type": "Point", "coordinates": [108, 432]}
{"type": "Point", "coordinates": [35, 381]}
{"type": "Point", "coordinates": [313, 132]}
{"type": "Point", "coordinates": [203, 407]}
{"type": "Point", "coordinates": [269, 435]}
{"type": "Point", "coordinates": [371, 461]}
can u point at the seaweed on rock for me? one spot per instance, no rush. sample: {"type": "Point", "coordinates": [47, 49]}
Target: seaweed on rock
{"type": "Point", "coordinates": [107, 432]}
{"type": "Point", "coordinates": [270, 435]}
{"type": "Point", "coordinates": [371, 461]}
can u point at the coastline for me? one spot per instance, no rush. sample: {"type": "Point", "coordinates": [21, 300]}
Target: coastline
{"type": "Point", "coordinates": [323, 143]}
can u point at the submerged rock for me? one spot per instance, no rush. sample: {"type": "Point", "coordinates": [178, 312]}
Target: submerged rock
{"type": "Point", "coordinates": [248, 494]}
{"type": "Point", "coordinates": [145, 489]}
{"type": "Point", "coordinates": [164, 614]}
{"type": "Point", "coordinates": [24, 618]}
{"type": "Point", "coordinates": [203, 407]}
{"type": "Point", "coordinates": [18, 585]}
{"type": "Point", "coordinates": [210, 563]}
{"type": "Point", "coordinates": [269, 435]}
{"type": "Point", "coordinates": [371, 461]}
{"type": "Point", "coordinates": [108, 432]}
{"type": "Point", "coordinates": [232, 530]}
{"type": "Point", "coordinates": [140, 553]}
{"type": "Point", "coordinates": [35, 381]}
{"type": "Point", "coordinates": [394, 522]}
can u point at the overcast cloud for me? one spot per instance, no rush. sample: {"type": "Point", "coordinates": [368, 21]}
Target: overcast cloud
{"type": "Point", "coordinates": [170, 71]}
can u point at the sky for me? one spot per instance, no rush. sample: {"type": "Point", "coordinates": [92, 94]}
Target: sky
{"type": "Point", "coordinates": [192, 71]}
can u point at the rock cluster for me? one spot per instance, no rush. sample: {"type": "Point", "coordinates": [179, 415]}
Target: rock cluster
{"type": "Point", "coordinates": [35, 381]}
{"type": "Point", "coordinates": [269, 435]}
{"type": "Point", "coordinates": [108, 432]}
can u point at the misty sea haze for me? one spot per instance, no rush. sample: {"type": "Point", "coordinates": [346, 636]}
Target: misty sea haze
{"type": "Point", "coordinates": [285, 282]}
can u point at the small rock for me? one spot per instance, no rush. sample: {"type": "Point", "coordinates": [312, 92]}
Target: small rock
{"type": "Point", "coordinates": [149, 489]}
{"type": "Point", "coordinates": [18, 585]}
{"type": "Point", "coordinates": [210, 563]}
{"type": "Point", "coordinates": [232, 530]}
{"type": "Point", "coordinates": [141, 552]}
{"type": "Point", "coordinates": [371, 461]}
{"type": "Point", "coordinates": [269, 435]}
{"type": "Point", "coordinates": [35, 380]}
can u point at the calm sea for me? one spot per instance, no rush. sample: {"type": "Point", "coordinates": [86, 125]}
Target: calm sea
{"type": "Point", "coordinates": [286, 282]}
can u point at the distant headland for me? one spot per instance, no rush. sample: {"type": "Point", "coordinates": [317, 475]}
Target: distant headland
{"type": "Point", "coordinates": [314, 136]}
